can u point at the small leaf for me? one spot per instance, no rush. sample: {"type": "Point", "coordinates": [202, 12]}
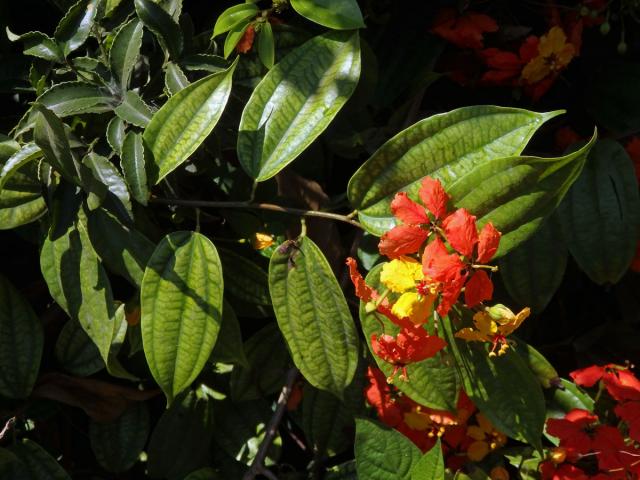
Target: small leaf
{"type": "Point", "coordinates": [244, 279]}
{"type": "Point", "coordinates": [75, 351]}
{"type": "Point", "coordinates": [115, 134]}
{"type": "Point", "coordinates": [39, 463]}
{"type": "Point", "coordinates": [107, 174]}
{"type": "Point", "coordinates": [183, 123]}
{"type": "Point", "coordinates": [117, 444]}
{"type": "Point", "coordinates": [73, 98]}
{"type": "Point", "coordinates": [74, 29]}
{"type": "Point", "coordinates": [37, 44]}
{"type": "Point", "coordinates": [233, 16]}
{"type": "Point", "coordinates": [567, 397]}
{"type": "Point", "coordinates": [430, 466]}
{"type": "Point", "coordinates": [125, 50]}
{"type": "Point", "coordinates": [181, 306]}
{"type": "Point", "coordinates": [313, 315]}
{"type": "Point", "coordinates": [133, 110]}
{"type": "Point", "coordinates": [49, 134]}
{"type": "Point", "coordinates": [21, 342]}
{"type": "Point", "coordinates": [336, 14]}
{"type": "Point", "coordinates": [383, 453]}
{"type": "Point", "coordinates": [600, 217]}
{"type": "Point", "coordinates": [266, 45]}
{"type": "Point", "coordinates": [133, 167]}
{"type": "Point", "coordinates": [279, 121]}
{"type": "Point", "coordinates": [229, 348]}
{"type": "Point", "coordinates": [174, 78]}
{"type": "Point", "coordinates": [167, 31]}
{"type": "Point", "coordinates": [23, 156]}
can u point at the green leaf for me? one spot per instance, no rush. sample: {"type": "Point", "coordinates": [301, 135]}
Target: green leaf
{"type": "Point", "coordinates": [567, 397]}
{"type": "Point", "coordinates": [180, 442]}
{"type": "Point", "coordinates": [233, 16]}
{"type": "Point", "coordinates": [313, 315]}
{"type": "Point", "coordinates": [107, 173]}
{"type": "Point", "coordinates": [23, 156]}
{"type": "Point", "coordinates": [163, 26]}
{"type": "Point", "coordinates": [123, 249]}
{"type": "Point", "coordinates": [40, 464]}
{"type": "Point", "coordinates": [125, 50]}
{"type": "Point", "coordinates": [430, 466]}
{"type": "Point", "coordinates": [75, 351]}
{"type": "Point", "coordinates": [446, 146]}
{"type": "Point", "coordinates": [116, 134]}
{"type": "Point", "coordinates": [73, 98]}
{"type": "Point", "coordinates": [539, 365]}
{"type": "Point", "coordinates": [74, 29]}
{"type": "Point", "coordinates": [117, 444]}
{"type": "Point", "coordinates": [206, 473]}
{"type": "Point", "coordinates": [268, 364]}
{"type": "Point", "coordinates": [383, 453]}
{"type": "Point", "coordinates": [12, 467]}
{"type": "Point", "coordinates": [133, 110]}
{"type": "Point", "coordinates": [266, 45]}
{"type": "Point", "coordinates": [244, 279]}
{"type": "Point", "coordinates": [174, 78]}
{"type": "Point", "coordinates": [49, 134]}
{"type": "Point", "coordinates": [516, 412]}
{"type": "Point", "coordinates": [229, 348]}
{"type": "Point", "coordinates": [296, 101]}
{"type": "Point", "coordinates": [133, 167]}
{"type": "Point", "coordinates": [234, 37]}
{"type": "Point", "coordinates": [183, 123]}
{"type": "Point", "coordinates": [344, 471]}
{"type": "Point", "coordinates": [600, 217]}
{"type": "Point", "coordinates": [533, 271]}
{"type": "Point", "coordinates": [22, 212]}
{"type": "Point", "coordinates": [336, 14]}
{"type": "Point", "coordinates": [37, 44]}
{"type": "Point", "coordinates": [432, 382]}
{"type": "Point", "coordinates": [21, 341]}
{"type": "Point", "coordinates": [181, 305]}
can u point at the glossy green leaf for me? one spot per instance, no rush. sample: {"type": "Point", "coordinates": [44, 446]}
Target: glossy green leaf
{"type": "Point", "coordinates": [383, 453]}
{"type": "Point", "coordinates": [21, 341]}
{"type": "Point", "coordinates": [229, 348]}
{"type": "Point", "coordinates": [125, 50]}
{"type": "Point", "coordinates": [566, 397]}
{"type": "Point", "coordinates": [133, 110]}
{"type": "Point", "coordinates": [174, 78]}
{"type": "Point", "coordinates": [37, 44]}
{"type": "Point", "coordinates": [539, 365]}
{"type": "Point", "coordinates": [23, 211]}
{"type": "Point", "coordinates": [107, 173]}
{"type": "Point", "coordinates": [133, 167]}
{"type": "Point", "coordinates": [446, 146]}
{"type": "Point", "coordinates": [313, 315]}
{"type": "Point", "coordinates": [49, 134]}
{"type": "Point", "coordinates": [23, 156]}
{"type": "Point", "coordinates": [533, 271]}
{"type": "Point", "coordinates": [600, 217]}
{"type": "Point", "coordinates": [180, 441]}
{"type": "Point", "coordinates": [233, 38]}
{"type": "Point", "coordinates": [266, 45]}
{"type": "Point", "coordinates": [244, 279]}
{"type": "Point", "coordinates": [164, 27]}
{"type": "Point", "coordinates": [116, 134]}
{"type": "Point", "coordinates": [181, 305]}
{"type": "Point", "coordinates": [73, 98]}
{"type": "Point", "coordinates": [430, 466]}
{"type": "Point", "coordinates": [432, 382]}
{"type": "Point", "coordinates": [233, 16]}
{"type": "Point", "coordinates": [75, 351]}
{"type": "Point", "coordinates": [40, 464]}
{"type": "Point", "coordinates": [344, 471]}
{"type": "Point", "coordinates": [117, 444]}
{"type": "Point", "coordinates": [123, 249]}
{"type": "Point", "coordinates": [268, 363]}
{"type": "Point", "coordinates": [296, 101]}
{"type": "Point", "coordinates": [336, 14]}
{"type": "Point", "coordinates": [182, 124]}
{"type": "Point", "coordinates": [74, 29]}
{"type": "Point", "coordinates": [516, 412]}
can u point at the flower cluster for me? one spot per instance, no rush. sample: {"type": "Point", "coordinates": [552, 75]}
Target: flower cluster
{"type": "Point", "coordinates": [589, 447]}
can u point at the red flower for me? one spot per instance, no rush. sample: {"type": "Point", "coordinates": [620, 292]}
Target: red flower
{"type": "Point", "coordinates": [402, 240]}
{"type": "Point", "coordinates": [573, 430]}
{"type": "Point", "coordinates": [464, 31]}
{"type": "Point", "coordinates": [246, 42]}
{"type": "Point", "coordinates": [565, 471]}
{"type": "Point", "coordinates": [461, 232]}
{"type": "Point", "coordinates": [621, 383]}
{"type": "Point", "coordinates": [488, 242]}
{"type": "Point", "coordinates": [434, 197]}
{"type": "Point", "coordinates": [478, 289]}
{"type": "Point", "coordinates": [630, 413]}
{"type": "Point", "coordinates": [613, 455]}
{"type": "Point", "coordinates": [378, 394]}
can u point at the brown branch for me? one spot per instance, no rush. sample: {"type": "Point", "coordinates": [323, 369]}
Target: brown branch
{"type": "Point", "coordinates": [257, 206]}
{"type": "Point", "coordinates": [257, 466]}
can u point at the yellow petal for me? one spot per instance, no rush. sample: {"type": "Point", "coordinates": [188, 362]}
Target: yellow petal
{"type": "Point", "coordinates": [417, 308]}
{"type": "Point", "coordinates": [417, 420]}
{"type": "Point", "coordinates": [476, 432]}
{"type": "Point", "coordinates": [260, 241]}
{"type": "Point", "coordinates": [553, 42]}
{"type": "Point", "coordinates": [535, 70]}
{"type": "Point", "coordinates": [400, 275]}
{"type": "Point", "coordinates": [485, 324]}
{"type": "Point", "coordinates": [515, 323]}
{"type": "Point", "coordinates": [477, 451]}
{"type": "Point", "coordinates": [471, 335]}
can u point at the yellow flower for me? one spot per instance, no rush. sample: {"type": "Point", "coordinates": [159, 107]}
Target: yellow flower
{"type": "Point", "coordinates": [493, 325]}
{"type": "Point", "coordinates": [401, 274]}
{"type": "Point", "coordinates": [486, 438]}
{"type": "Point", "coordinates": [554, 54]}
{"type": "Point", "coordinates": [417, 308]}
{"type": "Point", "coordinates": [260, 241]}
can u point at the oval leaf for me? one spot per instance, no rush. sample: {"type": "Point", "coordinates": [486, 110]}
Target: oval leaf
{"type": "Point", "coordinates": [39, 463]}
{"type": "Point", "coordinates": [133, 110]}
{"type": "Point", "coordinates": [313, 315]}
{"type": "Point", "coordinates": [174, 78]}
{"type": "Point", "coordinates": [295, 102]}
{"type": "Point", "coordinates": [21, 341]}
{"type": "Point", "coordinates": [266, 45]}
{"type": "Point", "coordinates": [74, 29]}
{"type": "Point", "coordinates": [125, 50]}
{"type": "Point", "coordinates": [233, 16]}
{"type": "Point", "coordinates": [133, 167]}
{"type": "Point", "coordinates": [72, 98]}
{"type": "Point", "coordinates": [76, 352]}
{"type": "Point", "coordinates": [430, 466]}
{"type": "Point", "coordinates": [336, 14]}
{"type": "Point", "coordinates": [23, 156]}
{"type": "Point", "coordinates": [115, 134]}
{"type": "Point", "coordinates": [182, 124]}
{"type": "Point", "coordinates": [181, 308]}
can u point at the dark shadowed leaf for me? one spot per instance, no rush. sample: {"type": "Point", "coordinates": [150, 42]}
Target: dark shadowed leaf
{"type": "Point", "coordinates": [165, 28]}
{"type": "Point", "coordinates": [40, 464]}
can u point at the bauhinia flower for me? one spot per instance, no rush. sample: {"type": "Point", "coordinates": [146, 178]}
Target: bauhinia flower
{"type": "Point", "coordinates": [554, 54]}
{"type": "Point", "coordinates": [485, 438]}
{"type": "Point", "coordinates": [493, 325]}
{"type": "Point", "coordinates": [400, 275]}
{"type": "Point", "coordinates": [465, 30]}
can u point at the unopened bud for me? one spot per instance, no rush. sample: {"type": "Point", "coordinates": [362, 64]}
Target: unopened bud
{"type": "Point", "coordinates": [499, 312]}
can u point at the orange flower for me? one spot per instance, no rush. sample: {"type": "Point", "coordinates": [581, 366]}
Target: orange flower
{"type": "Point", "coordinates": [466, 30]}
{"type": "Point", "coordinates": [246, 42]}
{"type": "Point", "coordinates": [554, 54]}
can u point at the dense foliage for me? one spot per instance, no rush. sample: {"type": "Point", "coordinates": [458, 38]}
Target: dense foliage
{"type": "Point", "coordinates": [190, 196]}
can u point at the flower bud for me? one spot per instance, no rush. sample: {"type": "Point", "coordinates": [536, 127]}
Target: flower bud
{"type": "Point", "coordinates": [500, 312]}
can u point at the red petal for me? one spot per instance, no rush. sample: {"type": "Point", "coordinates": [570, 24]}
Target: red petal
{"type": "Point", "coordinates": [246, 42]}
{"type": "Point", "coordinates": [418, 345]}
{"type": "Point", "coordinates": [402, 240]}
{"type": "Point", "coordinates": [461, 232]}
{"type": "Point", "coordinates": [622, 385]}
{"type": "Point", "coordinates": [378, 394]}
{"type": "Point", "coordinates": [608, 441]}
{"type": "Point", "coordinates": [570, 430]}
{"type": "Point", "coordinates": [587, 377]}
{"type": "Point", "coordinates": [488, 242]}
{"type": "Point", "coordinates": [440, 265]}
{"type": "Point", "coordinates": [363, 291]}
{"type": "Point", "coordinates": [450, 294]}
{"type": "Point", "coordinates": [408, 211]}
{"type": "Point", "coordinates": [529, 49]}
{"type": "Point", "coordinates": [630, 413]}
{"type": "Point", "coordinates": [501, 60]}
{"type": "Point", "coordinates": [478, 289]}
{"type": "Point", "coordinates": [434, 196]}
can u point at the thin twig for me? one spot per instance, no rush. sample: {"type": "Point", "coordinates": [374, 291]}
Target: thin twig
{"type": "Point", "coordinates": [257, 466]}
{"type": "Point", "coordinates": [257, 206]}
{"type": "Point", "coordinates": [7, 427]}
